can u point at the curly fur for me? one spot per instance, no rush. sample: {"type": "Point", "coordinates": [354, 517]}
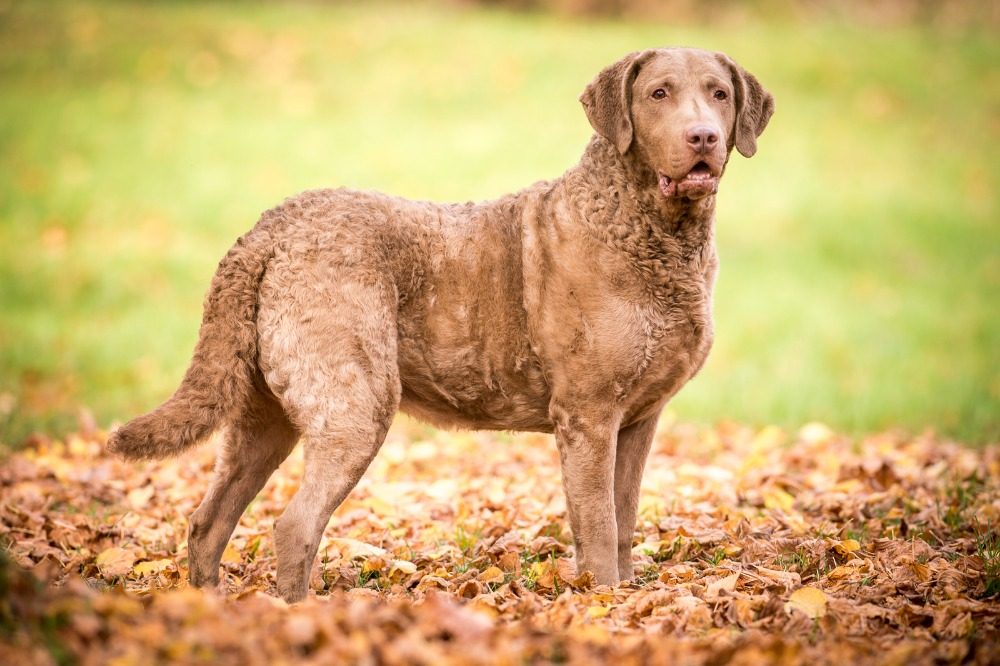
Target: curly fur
{"type": "Point", "coordinates": [577, 306]}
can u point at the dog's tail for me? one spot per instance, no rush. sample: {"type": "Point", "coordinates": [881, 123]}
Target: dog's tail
{"type": "Point", "coordinates": [222, 373]}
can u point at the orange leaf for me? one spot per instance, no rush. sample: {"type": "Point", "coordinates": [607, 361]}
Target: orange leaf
{"type": "Point", "coordinates": [115, 562]}
{"type": "Point", "coordinates": [492, 575]}
{"type": "Point", "coordinates": [809, 600]}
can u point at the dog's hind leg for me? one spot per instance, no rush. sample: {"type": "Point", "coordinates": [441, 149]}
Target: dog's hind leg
{"type": "Point", "coordinates": [259, 439]}
{"type": "Point", "coordinates": [337, 377]}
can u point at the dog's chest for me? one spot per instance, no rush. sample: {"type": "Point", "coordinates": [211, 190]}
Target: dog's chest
{"type": "Point", "coordinates": [657, 330]}
{"type": "Point", "coordinates": [672, 350]}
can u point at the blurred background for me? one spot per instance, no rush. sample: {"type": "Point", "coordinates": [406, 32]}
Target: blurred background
{"type": "Point", "coordinates": [860, 265]}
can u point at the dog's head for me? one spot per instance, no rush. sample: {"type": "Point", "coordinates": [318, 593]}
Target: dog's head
{"type": "Point", "coordinates": [682, 111]}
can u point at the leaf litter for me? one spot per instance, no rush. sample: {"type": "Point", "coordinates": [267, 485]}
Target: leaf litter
{"type": "Point", "coordinates": [754, 546]}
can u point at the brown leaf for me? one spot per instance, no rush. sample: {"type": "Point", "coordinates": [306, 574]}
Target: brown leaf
{"type": "Point", "coordinates": [509, 562]}
{"type": "Point", "coordinates": [726, 584]}
{"type": "Point", "coordinates": [470, 589]}
{"type": "Point", "coordinates": [114, 562]}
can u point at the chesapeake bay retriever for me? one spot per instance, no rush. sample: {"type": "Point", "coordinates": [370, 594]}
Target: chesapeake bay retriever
{"type": "Point", "coordinates": [577, 306]}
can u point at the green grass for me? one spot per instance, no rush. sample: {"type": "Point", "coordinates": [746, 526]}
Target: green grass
{"type": "Point", "coordinates": [988, 549]}
{"type": "Point", "coordinates": [859, 247]}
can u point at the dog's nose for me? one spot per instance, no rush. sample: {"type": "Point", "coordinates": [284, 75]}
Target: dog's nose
{"type": "Point", "coordinates": [702, 138]}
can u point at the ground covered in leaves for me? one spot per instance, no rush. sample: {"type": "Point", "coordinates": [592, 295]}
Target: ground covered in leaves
{"type": "Point", "coordinates": [754, 546]}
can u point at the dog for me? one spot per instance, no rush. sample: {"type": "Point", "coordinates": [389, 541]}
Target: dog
{"type": "Point", "coordinates": [577, 306]}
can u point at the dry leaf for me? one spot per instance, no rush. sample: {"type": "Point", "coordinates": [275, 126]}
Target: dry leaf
{"type": "Point", "coordinates": [470, 589]}
{"type": "Point", "coordinates": [509, 562]}
{"type": "Point", "coordinates": [350, 549]}
{"type": "Point", "coordinates": [153, 567]}
{"type": "Point", "coordinates": [566, 571]}
{"type": "Point", "coordinates": [138, 498]}
{"type": "Point", "coordinates": [809, 600]}
{"type": "Point", "coordinates": [776, 498]}
{"type": "Point", "coordinates": [727, 584]}
{"type": "Point", "coordinates": [115, 562]}
{"type": "Point", "coordinates": [595, 612]}
{"type": "Point", "coordinates": [231, 555]}
{"type": "Point", "coordinates": [459, 576]}
{"type": "Point", "coordinates": [492, 575]}
{"type": "Point", "coordinates": [847, 546]}
{"type": "Point", "coordinates": [786, 579]}
{"type": "Point", "coordinates": [403, 566]}
{"type": "Point", "coordinates": [374, 565]}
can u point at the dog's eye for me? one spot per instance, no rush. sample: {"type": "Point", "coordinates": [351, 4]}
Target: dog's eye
{"type": "Point", "coordinates": [659, 93]}
{"type": "Point", "coordinates": [720, 95]}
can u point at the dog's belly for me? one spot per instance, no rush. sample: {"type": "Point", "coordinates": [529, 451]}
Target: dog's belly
{"type": "Point", "coordinates": [465, 360]}
{"type": "Point", "coordinates": [463, 352]}
{"type": "Point", "coordinates": [470, 386]}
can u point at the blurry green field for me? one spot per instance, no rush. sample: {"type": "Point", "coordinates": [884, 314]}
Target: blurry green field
{"type": "Point", "coordinates": [860, 247]}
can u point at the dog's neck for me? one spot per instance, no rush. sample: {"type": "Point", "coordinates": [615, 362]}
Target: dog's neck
{"type": "Point", "coordinates": [667, 226]}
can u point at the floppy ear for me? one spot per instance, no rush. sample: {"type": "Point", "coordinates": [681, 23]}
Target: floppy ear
{"type": "Point", "coordinates": [608, 100]}
{"type": "Point", "coordinates": [754, 107]}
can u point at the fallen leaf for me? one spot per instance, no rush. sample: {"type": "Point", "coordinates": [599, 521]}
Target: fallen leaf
{"type": "Point", "coordinates": [566, 570]}
{"type": "Point", "coordinates": [403, 566]}
{"type": "Point", "coordinates": [809, 600]}
{"type": "Point", "coordinates": [921, 571]}
{"type": "Point", "coordinates": [470, 589]}
{"type": "Point", "coordinates": [115, 562]}
{"type": "Point", "coordinates": [786, 579]}
{"type": "Point", "coordinates": [468, 575]}
{"type": "Point", "coordinates": [847, 546]}
{"type": "Point", "coordinates": [727, 584]}
{"type": "Point", "coordinates": [492, 575]}
{"type": "Point", "coordinates": [595, 612]}
{"type": "Point", "coordinates": [350, 549]}
{"type": "Point", "coordinates": [374, 565]}
{"type": "Point", "coordinates": [776, 498]}
{"type": "Point", "coordinates": [509, 562]}
{"type": "Point", "coordinates": [231, 555]}
{"type": "Point", "coordinates": [153, 567]}
{"type": "Point", "coordinates": [138, 498]}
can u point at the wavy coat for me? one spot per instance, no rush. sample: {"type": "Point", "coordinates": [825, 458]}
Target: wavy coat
{"type": "Point", "coordinates": [577, 306]}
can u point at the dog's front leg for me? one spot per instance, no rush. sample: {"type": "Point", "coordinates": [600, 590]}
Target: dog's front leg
{"type": "Point", "coordinates": [586, 444]}
{"type": "Point", "coordinates": [632, 449]}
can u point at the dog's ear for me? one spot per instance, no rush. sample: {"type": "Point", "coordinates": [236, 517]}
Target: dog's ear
{"type": "Point", "coordinates": [754, 107]}
{"type": "Point", "coordinates": [608, 100]}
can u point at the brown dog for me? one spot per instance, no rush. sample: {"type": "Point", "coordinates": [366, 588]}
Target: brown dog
{"type": "Point", "coordinates": [577, 306]}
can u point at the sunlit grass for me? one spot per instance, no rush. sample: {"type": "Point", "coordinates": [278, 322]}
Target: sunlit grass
{"type": "Point", "coordinates": [859, 246]}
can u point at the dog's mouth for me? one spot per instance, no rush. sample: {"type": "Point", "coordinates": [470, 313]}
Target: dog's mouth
{"type": "Point", "coordinates": [699, 182]}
